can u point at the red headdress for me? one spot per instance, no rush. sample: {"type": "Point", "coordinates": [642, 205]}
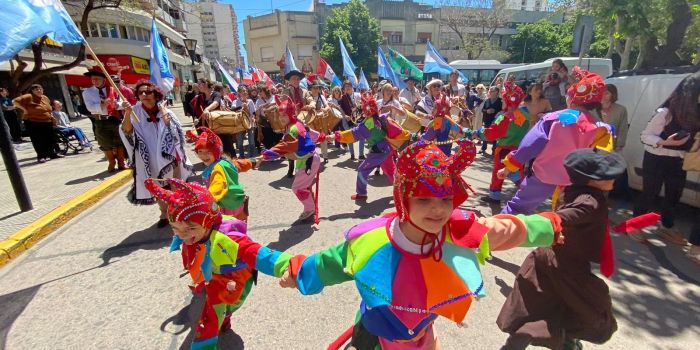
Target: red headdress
{"type": "Point", "coordinates": [187, 201]}
{"type": "Point", "coordinates": [590, 88]}
{"type": "Point", "coordinates": [208, 140]}
{"type": "Point", "coordinates": [442, 106]}
{"type": "Point", "coordinates": [287, 107]}
{"type": "Point", "coordinates": [512, 95]}
{"type": "Point", "coordinates": [369, 105]}
{"type": "Point", "coordinates": [423, 170]}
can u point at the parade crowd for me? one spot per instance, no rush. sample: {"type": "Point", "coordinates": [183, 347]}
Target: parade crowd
{"type": "Point", "coordinates": [558, 139]}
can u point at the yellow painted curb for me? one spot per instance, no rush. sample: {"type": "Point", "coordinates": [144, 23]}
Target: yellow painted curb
{"type": "Point", "coordinates": [11, 247]}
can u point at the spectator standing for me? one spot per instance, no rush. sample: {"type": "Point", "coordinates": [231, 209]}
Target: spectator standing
{"type": "Point", "coordinates": [10, 114]}
{"type": "Point", "coordinates": [491, 107]}
{"type": "Point", "coordinates": [556, 84]}
{"type": "Point", "coordinates": [535, 102]}
{"type": "Point", "coordinates": [39, 122]}
{"type": "Point", "coordinates": [187, 101]}
{"type": "Point", "coordinates": [615, 115]}
{"type": "Point", "coordinates": [244, 103]}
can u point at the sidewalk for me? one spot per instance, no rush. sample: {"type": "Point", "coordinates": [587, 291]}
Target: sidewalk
{"type": "Point", "coordinates": [55, 182]}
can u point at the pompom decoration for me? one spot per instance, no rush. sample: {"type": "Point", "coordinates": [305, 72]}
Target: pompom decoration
{"type": "Point", "coordinates": [369, 105]}
{"type": "Point", "coordinates": [187, 201]}
{"type": "Point", "coordinates": [442, 106]}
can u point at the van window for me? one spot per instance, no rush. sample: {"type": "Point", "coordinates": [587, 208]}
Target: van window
{"type": "Point", "coordinates": [487, 75]}
{"type": "Point", "coordinates": [501, 76]}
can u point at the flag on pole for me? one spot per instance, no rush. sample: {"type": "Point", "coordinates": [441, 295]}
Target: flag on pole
{"type": "Point", "coordinates": [363, 84]}
{"type": "Point", "coordinates": [384, 70]}
{"type": "Point", "coordinates": [247, 77]}
{"type": "Point", "coordinates": [348, 66]}
{"type": "Point", "coordinates": [403, 65]}
{"type": "Point", "coordinates": [228, 80]}
{"type": "Point", "coordinates": [23, 21]}
{"type": "Point", "coordinates": [263, 77]}
{"type": "Point", "coordinates": [160, 63]}
{"type": "Point", "coordinates": [435, 63]}
{"type": "Point", "coordinates": [289, 64]}
{"type": "Point", "coordinates": [324, 69]}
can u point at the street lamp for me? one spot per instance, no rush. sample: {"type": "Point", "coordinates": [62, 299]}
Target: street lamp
{"type": "Point", "coordinates": [191, 46]}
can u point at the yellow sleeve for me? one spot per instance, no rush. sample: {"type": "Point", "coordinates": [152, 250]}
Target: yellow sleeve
{"type": "Point", "coordinates": [218, 187]}
{"type": "Point", "coordinates": [603, 140]}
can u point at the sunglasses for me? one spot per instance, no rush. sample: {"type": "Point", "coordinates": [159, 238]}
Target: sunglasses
{"type": "Point", "coordinates": [145, 92]}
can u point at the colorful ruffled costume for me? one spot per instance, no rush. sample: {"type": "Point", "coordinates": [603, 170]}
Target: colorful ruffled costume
{"type": "Point", "coordinates": [299, 144]}
{"type": "Point", "coordinates": [223, 265]}
{"type": "Point", "coordinates": [507, 131]}
{"type": "Point", "coordinates": [551, 139]}
{"type": "Point", "coordinates": [382, 134]}
{"type": "Point", "coordinates": [404, 286]}
{"type": "Point", "coordinates": [221, 176]}
{"type": "Point", "coordinates": [442, 128]}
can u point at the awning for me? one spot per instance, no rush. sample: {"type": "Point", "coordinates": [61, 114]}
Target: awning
{"type": "Point", "coordinates": [83, 81]}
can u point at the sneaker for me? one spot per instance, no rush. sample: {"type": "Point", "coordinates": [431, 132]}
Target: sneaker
{"type": "Point", "coordinates": [41, 160]}
{"type": "Point", "coordinates": [306, 214]}
{"type": "Point", "coordinates": [672, 236]}
{"type": "Point", "coordinates": [358, 197]}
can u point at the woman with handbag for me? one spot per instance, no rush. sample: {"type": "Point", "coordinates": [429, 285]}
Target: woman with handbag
{"type": "Point", "coordinates": [667, 138]}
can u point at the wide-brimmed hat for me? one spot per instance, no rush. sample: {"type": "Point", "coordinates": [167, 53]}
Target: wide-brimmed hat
{"type": "Point", "coordinates": [434, 82]}
{"type": "Point", "coordinates": [292, 73]}
{"type": "Point", "coordinates": [95, 73]}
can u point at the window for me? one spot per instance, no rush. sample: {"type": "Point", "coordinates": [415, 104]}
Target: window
{"type": "Point", "coordinates": [94, 30]}
{"type": "Point", "coordinates": [131, 32]}
{"type": "Point", "coordinates": [396, 38]}
{"type": "Point", "coordinates": [142, 34]}
{"type": "Point", "coordinates": [104, 30]}
{"type": "Point", "coordinates": [424, 37]}
{"type": "Point", "coordinates": [122, 32]}
{"type": "Point", "coordinates": [113, 32]}
{"type": "Point", "coordinates": [267, 54]}
{"type": "Point", "coordinates": [305, 51]}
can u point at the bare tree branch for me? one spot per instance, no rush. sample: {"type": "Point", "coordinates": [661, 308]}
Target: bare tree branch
{"type": "Point", "coordinates": [474, 22]}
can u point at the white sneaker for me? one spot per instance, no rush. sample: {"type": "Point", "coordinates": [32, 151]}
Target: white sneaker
{"type": "Point", "coordinates": [307, 214]}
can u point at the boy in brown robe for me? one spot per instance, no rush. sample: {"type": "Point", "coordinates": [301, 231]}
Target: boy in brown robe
{"type": "Point", "coordinates": [556, 300]}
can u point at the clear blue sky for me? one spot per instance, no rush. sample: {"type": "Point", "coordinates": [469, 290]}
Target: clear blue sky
{"type": "Point", "coordinates": [245, 8]}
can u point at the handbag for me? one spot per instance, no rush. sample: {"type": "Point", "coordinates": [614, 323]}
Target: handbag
{"type": "Point", "coordinates": [225, 122]}
{"type": "Point", "coordinates": [691, 160]}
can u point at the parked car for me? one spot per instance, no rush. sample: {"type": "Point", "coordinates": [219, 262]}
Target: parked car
{"type": "Point", "coordinates": [642, 93]}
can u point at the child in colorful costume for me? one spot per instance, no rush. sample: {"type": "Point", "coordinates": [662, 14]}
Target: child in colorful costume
{"type": "Point", "coordinates": [418, 263]}
{"type": "Point", "coordinates": [507, 131]}
{"type": "Point", "coordinates": [298, 144]}
{"type": "Point", "coordinates": [551, 139]}
{"type": "Point", "coordinates": [211, 246]}
{"type": "Point", "coordinates": [441, 127]}
{"type": "Point", "coordinates": [556, 299]}
{"type": "Point", "coordinates": [221, 175]}
{"type": "Point", "coordinates": [383, 135]}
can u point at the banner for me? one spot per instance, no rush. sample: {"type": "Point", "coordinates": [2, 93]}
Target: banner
{"type": "Point", "coordinates": [403, 66]}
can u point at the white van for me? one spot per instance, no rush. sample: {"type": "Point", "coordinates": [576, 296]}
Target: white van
{"type": "Point", "coordinates": [480, 71]}
{"type": "Point", "coordinates": [642, 94]}
{"type": "Point", "coordinates": [537, 72]}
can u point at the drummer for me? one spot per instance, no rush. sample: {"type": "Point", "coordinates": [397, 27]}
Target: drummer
{"type": "Point", "coordinates": [411, 92]}
{"type": "Point", "coordinates": [407, 106]}
{"type": "Point", "coordinates": [318, 104]}
{"type": "Point", "coordinates": [389, 104]}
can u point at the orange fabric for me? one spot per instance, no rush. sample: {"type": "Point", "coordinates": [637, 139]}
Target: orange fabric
{"type": "Point", "coordinates": [449, 286]}
{"type": "Point", "coordinates": [219, 294]}
{"type": "Point", "coordinates": [243, 165]}
{"type": "Point", "coordinates": [39, 112]}
{"type": "Point", "coordinates": [505, 231]}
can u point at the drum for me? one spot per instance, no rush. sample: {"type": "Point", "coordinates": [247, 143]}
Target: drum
{"type": "Point", "coordinates": [322, 122]}
{"type": "Point", "coordinates": [228, 122]}
{"type": "Point", "coordinates": [275, 118]}
{"type": "Point", "coordinates": [411, 123]}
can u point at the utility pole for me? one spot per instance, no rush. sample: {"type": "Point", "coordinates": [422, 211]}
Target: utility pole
{"type": "Point", "coordinates": [13, 171]}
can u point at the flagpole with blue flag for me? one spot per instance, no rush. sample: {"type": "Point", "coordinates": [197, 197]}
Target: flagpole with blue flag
{"type": "Point", "coordinates": [384, 70]}
{"type": "Point", "coordinates": [435, 63]}
{"type": "Point", "coordinates": [289, 64]}
{"type": "Point", "coordinates": [348, 67]}
{"type": "Point", "coordinates": [363, 84]}
{"type": "Point", "coordinates": [160, 63]}
{"type": "Point", "coordinates": [232, 84]}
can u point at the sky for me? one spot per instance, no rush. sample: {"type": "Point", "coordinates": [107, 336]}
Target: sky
{"type": "Point", "coordinates": [245, 8]}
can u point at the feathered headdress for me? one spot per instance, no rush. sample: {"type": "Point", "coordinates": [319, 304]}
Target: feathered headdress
{"type": "Point", "coordinates": [369, 105]}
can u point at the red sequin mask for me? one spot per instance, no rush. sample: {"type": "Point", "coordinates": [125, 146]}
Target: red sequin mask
{"type": "Point", "coordinates": [187, 201]}
{"type": "Point", "coordinates": [442, 106]}
{"type": "Point", "coordinates": [512, 95]}
{"type": "Point", "coordinates": [208, 140]}
{"type": "Point", "coordinates": [369, 105]}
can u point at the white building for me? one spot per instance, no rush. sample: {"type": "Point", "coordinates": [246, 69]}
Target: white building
{"type": "Point", "coordinates": [527, 5]}
{"type": "Point", "coordinates": [215, 28]}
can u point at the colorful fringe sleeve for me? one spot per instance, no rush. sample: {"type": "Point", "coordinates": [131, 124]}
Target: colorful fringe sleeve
{"type": "Point", "coordinates": [497, 130]}
{"type": "Point", "coordinates": [532, 145]}
{"type": "Point", "coordinates": [261, 258]}
{"type": "Point", "coordinates": [510, 231]}
{"type": "Point", "coordinates": [243, 165]}
{"type": "Point", "coordinates": [324, 268]}
{"type": "Point", "coordinates": [218, 187]}
{"type": "Point", "coordinates": [288, 145]}
{"type": "Point", "coordinates": [395, 132]}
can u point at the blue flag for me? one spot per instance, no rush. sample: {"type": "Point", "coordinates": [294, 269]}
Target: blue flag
{"type": "Point", "coordinates": [435, 63]}
{"type": "Point", "coordinates": [160, 64]}
{"type": "Point", "coordinates": [363, 84]}
{"type": "Point", "coordinates": [289, 61]}
{"type": "Point", "coordinates": [24, 21]}
{"type": "Point", "coordinates": [348, 67]}
{"type": "Point", "coordinates": [384, 70]}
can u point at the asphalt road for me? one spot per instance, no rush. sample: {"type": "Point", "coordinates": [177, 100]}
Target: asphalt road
{"type": "Point", "coordinates": [106, 279]}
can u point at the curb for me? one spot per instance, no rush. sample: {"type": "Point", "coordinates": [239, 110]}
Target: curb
{"type": "Point", "coordinates": [23, 239]}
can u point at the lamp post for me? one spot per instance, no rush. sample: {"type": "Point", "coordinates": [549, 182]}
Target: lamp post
{"type": "Point", "coordinates": [191, 46]}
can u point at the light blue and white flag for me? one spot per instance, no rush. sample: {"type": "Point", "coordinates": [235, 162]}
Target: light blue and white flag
{"type": "Point", "coordinates": [363, 84]}
{"type": "Point", "coordinates": [384, 70]}
{"type": "Point", "coordinates": [24, 21]}
{"type": "Point", "coordinates": [348, 67]}
{"type": "Point", "coordinates": [289, 64]}
{"type": "Point", "coordinates": [160, 64]}
{"type": "Point", "coordinates": [230, 81]}
{"type": "Point", "coordinates": [435, 63]}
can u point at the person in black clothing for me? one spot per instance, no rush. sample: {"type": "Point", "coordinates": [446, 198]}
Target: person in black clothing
{"type": "Point", "coordinates": [492, 106]}
{"type": "Point", "coordinates": [211, 100]}
{"type": "Point", "coordinates": [8, 110]}
{"type": "Point", "coordinates": [187, 105]}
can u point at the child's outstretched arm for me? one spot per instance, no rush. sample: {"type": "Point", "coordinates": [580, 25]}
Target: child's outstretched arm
{"type": "Point", "coordinates": [510, 231]}
{"type": "Point", "coordinates": [311, 274]}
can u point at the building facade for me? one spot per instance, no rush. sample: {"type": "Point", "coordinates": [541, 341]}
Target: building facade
{"type": "Point", "coordinates": [267, 36]}
{"type": "Point", "coordinates": [526, 5]}
{"type": "Point", "coordinates": [215, 28]}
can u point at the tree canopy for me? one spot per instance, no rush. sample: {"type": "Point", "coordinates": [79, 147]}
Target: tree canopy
{"type": "Point", "coordinates": [359, 31]}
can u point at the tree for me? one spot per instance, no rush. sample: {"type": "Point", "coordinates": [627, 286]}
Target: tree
{"type": "Point", "coordinates": [474, 22]}
{"type": "Point", "coordinates": [360, 33]}
{"type": "Point", "coordinates": [20, 79]}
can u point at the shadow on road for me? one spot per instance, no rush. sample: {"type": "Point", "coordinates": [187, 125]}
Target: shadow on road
{"type": "Point", "coordinates": [151, 238]}
{"type": "Point", "coordinates": [508, 266]}
{"type": "Point", "coordinates": [365, 211]}
{"type": "Point", "coordinates": [292, 236]}
{"type": "Point", "coordinates": [99, 176]}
